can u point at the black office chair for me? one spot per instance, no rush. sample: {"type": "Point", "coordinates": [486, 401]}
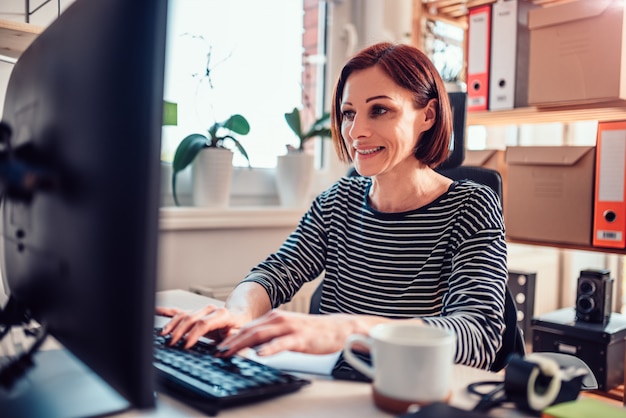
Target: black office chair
{"type": "Point", "coordinates": [481, 175]}
{"type": "Point", "coordinates": [512, 339]}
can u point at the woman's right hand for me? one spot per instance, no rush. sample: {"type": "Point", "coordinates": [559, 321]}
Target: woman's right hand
{"type": "Point", "coordinates": [211, 321]}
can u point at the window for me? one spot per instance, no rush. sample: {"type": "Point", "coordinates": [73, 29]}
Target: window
{"type": "Point", "coordinates": [444, 45]}
{"type": "Point", "coordinates": [254, 68]}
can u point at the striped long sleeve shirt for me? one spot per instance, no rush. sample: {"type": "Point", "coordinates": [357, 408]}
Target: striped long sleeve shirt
{"type": "Point", "coordinates": [444, 263]}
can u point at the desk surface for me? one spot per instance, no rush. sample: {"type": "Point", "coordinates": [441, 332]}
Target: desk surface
{"type": "Point", "coordinates": [325, 397]}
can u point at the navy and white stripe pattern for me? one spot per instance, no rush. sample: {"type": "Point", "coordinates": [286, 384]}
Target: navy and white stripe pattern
{"type": "Point", "coordinates": [444, 262]}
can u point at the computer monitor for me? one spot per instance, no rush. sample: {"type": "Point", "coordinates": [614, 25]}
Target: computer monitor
{"type": "Point", "coordinates": [79, 169]}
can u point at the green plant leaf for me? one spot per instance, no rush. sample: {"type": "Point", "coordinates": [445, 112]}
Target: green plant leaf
{"type": "Point", "coordinates": [237, 124]}
{"type": "Point", "coordinates": [293, 120]}
{"type": "Point", "coordinates": [323, 132]}
{"type": "Point", "coordinates": [241, 149]}
{"type": "Point", "coordinates": [213, 140]}
{"type": "Point", "coordinates": [319, 127]}
{"type": "Point", "coordinates": [322, 122]}
{"type": "Point", "coordinates": [187, 151]}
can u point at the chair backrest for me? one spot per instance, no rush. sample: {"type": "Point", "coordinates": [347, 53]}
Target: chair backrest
{"type": "Point", "coordinates": [316, 299]}
{"type": "Point", "coordinates": [513, 338]}
{"type": "Point", "coordinates": [458, 103]}
{"type": "Point", "coordinates": [481, 175]}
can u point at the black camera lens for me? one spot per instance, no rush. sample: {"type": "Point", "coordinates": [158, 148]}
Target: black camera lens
{"type": "Point", "coordinates": [585, 304]}
{"type": "Point", "coordinates": [586, 287]}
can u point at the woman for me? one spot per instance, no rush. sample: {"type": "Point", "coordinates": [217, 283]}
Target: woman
{"type": "Point", "coordinates": [398, 243]}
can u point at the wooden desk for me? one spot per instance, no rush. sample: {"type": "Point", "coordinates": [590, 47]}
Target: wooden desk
{"type": "Point", "coordinates": [325, 397]}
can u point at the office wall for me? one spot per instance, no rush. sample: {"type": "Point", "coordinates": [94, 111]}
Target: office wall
{"type": "Point", "coordinates": [210, 251]}
{"type": "Point", "coordinates": [214, 256]}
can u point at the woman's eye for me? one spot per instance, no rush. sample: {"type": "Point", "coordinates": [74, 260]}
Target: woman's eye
{"type": "Point", "coordinates": [378, 110]}
{"type": "Point", "coordinates": [348, 114]}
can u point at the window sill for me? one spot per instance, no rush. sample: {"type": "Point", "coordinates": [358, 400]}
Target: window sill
{"type": "Point", "coordinates": [194, 218]}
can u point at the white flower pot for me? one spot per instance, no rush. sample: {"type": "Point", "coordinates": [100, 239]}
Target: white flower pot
{"type": "Point", "coordinates": [212, 174]}
{"type": "Point", "coordinates": [294, 177]}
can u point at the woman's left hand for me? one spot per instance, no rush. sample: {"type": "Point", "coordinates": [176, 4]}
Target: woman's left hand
{"type": "Point", "coordinates": [278, 331]}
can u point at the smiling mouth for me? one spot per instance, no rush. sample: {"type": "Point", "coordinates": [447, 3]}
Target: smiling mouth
{"type": "Point", "coordinates": [369, 151]}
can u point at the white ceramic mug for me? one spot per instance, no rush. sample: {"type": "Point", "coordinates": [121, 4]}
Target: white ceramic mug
{"type": "Point", "coordinates": [411, 364]}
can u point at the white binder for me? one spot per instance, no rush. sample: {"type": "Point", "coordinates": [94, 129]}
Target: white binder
{"type": "Point", "coordinates": [510, 36]}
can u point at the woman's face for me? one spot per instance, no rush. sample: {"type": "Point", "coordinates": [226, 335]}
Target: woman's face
{"type": "Point", "coordinates": [380, 125]}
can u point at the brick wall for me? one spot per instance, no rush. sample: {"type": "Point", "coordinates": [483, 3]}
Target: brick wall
{"type": "Point", "coordinates": [311, 48]}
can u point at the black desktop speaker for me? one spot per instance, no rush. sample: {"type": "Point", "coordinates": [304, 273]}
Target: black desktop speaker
{"type": "Point", "coordinates": [594, 296]}
{"type": "Point", "coordinates": [522, 286]}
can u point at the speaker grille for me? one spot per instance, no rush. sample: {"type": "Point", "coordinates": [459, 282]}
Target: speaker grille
{"type": "Point", "coordinates": [522, 285]}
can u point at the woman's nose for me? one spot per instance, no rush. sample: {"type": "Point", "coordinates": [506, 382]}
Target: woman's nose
{"type": "Point", "coordinates": [360, 127]}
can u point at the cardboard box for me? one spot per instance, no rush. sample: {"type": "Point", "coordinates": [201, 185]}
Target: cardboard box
{"type": "Point", "coordinates": [492, 159]}
{"type": "Point", "coordinates": [488, 158]}
{"type": "Point", "coordinates": [577, 53]}
{"type": "Point", "coordinates": [550, 194]}
{"type": "Point", "coordinates": [600, 346]}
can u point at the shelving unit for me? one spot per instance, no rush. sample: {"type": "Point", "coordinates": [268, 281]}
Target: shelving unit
{"type": "Point", "coordinates": [15, 37]}
{"type": "Point", "coordinates": [455, 11]}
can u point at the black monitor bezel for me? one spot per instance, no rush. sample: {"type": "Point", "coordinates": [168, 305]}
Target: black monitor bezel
{"type": "Point", "coordinates": [84, 102]}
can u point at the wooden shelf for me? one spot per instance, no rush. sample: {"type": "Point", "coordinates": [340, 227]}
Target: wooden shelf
{"type": "Point", "coordinates": [15, 37]}
{"type": "Point", "coordinates": [456, 10]}
{"type": "Point", "coordinates": [601, 111]}
{"type": "Point", "coordinates": [564, 246]}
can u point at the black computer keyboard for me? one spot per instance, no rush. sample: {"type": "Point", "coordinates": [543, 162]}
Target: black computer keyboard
{"type": "Point", "coordinates": [210, 383]}
{"type": "Point", "coordinates": [345, 371]}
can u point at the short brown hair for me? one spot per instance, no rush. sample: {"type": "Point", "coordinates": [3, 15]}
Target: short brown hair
{"type": "Point", "coordinates": [411, 69]}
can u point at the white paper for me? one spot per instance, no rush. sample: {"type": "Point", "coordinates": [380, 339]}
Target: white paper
{"type": "Point", "coordinates": [291, 361]}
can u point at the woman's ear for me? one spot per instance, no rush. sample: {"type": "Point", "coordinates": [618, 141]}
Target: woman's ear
{"type": "Point", "coordinates": [430, 113]}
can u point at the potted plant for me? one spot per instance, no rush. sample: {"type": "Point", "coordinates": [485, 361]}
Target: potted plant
{"type": "Point", "coordinates": [221, 157]}
{"type": "Point", "coordinates": [319, 128]}
{"type": "Point", "coordinates": [294, 171]}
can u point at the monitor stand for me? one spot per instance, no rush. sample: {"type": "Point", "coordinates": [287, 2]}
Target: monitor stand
{"type": "Point", "coordinates": [58, 385]}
